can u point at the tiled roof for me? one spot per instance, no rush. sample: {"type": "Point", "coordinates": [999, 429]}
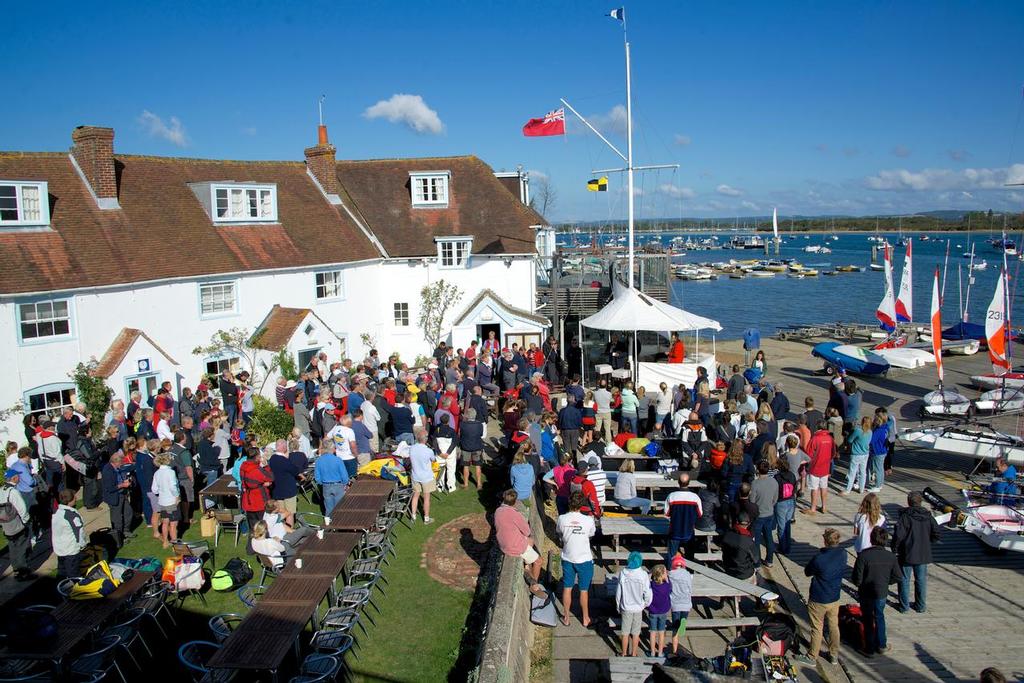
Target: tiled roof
{"type": "Point", "coordinates": [162, 231]}
{"type": "Point", "coordinates": [278, 327]}
{"type": "Point", "coordinates": [120, 347]}
{"type": "Point", "coordinates": [478, 205]}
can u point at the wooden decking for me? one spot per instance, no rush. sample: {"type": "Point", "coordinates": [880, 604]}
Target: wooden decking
{"type": "Point", "coordinates": [975, 599]}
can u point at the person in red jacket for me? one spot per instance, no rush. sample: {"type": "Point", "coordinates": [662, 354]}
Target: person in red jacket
{"type": "Point", "coordinates": [676, 351]}
{"type": "Point", "coordinates": [256, 482]}
{"type": "Point", "coordinates": [592, 506]}
{"type": "Point", "coordinates": [822, 450]}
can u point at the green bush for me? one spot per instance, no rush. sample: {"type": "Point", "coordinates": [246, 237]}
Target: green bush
{"type": "Point", "coordinates": [286, 365]}
{"type": "Point", "coordinates": [269, 423]}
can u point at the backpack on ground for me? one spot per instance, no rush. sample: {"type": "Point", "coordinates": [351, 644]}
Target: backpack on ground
{"type": "Point", "coordinates": [235, 574]}
{"type": "Point", "coordinates": [10, 520]}
{"type": "Point", "coordinates": [851, 625]}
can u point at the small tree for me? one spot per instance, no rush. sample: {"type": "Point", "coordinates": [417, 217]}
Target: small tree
{"type": "Point", "coordinates": [287, 365]}
{"type": "Point", "coordinates": [93, 391]}
{"type": "Point", "coordinates": [544, 197]}
{"type": "Point", "coordinates": [368, 340]}
{"type": "Point", "coordinates": [437, 300]}
{"type": "Point", "coordinates": [236, 341]}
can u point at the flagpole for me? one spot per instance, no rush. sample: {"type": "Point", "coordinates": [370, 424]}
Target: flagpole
{"type": "Point", "coordinates": [629, 152]}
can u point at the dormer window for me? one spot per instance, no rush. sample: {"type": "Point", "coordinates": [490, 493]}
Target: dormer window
{"type": "Point", "coordinates": [454, 252]}
{"type": "Point", "coordinates": [244, 203]}
{"type": "Point", "coordinates": [24, 203]}
{"type": "Point", "coordinates": [429, 188]}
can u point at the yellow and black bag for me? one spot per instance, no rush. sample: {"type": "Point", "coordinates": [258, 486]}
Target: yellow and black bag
{"type": "Point", "coordinates": [98, 582]}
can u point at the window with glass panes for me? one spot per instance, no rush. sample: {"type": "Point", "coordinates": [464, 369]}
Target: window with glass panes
{"type": "Point", "coordinates": [24, 204]}
{"type": "Point", "coordinates": [328, 285]}
{"type": "Point", "coordinates": [245, 203]}
{"type": "Point", "coordinates": [217, 297]}
{"type": "Point", "coordinates": [454, 253]}
{"type": "Point", "coordinates": [402, 315]}
{"type": "Point", "coordinates": [215, 366]}
{"type": "Point", "coordinates": [430, 189]}
{"type": "Point", "coordinates": [51, 401]}
{"type": "Point", "coordinates": [44, 319]}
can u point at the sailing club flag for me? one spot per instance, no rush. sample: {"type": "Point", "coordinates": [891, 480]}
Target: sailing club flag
{"type": "Point", "coordinates": [552, 124]}
{"type": "Point", "coordinates": [598, 184]}
{"type": "Point", "coordinates": [618, 13]}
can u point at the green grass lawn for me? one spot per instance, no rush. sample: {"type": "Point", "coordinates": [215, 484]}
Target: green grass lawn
{"type": "Point", "coordinates": [416, 636]}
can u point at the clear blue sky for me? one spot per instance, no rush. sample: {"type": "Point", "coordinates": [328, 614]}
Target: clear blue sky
{"type": "Point", "coordinates": [814, 107]}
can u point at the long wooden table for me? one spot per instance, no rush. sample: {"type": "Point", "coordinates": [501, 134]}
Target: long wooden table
{"type": "Point", "coordinates": [224, 486]}
{"type": "Point", "coordinates": [358, 510]}
{"type": "Point", "coordinates": [76, 620]}
{"type": "Point", "coordinates": [265, 636]}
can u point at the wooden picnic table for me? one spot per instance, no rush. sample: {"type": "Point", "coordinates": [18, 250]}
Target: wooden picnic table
{"type": "Point", "coordinates": [76, 620]}
{"type": "Point", "coordinates": [352, 520]}
{"type": "Point", "coordinates": [372, 485]}
{"type": "Point", "coordinates": [617, 527]}
{"type": "Point", "coordinates": [334, 543]}
{"type": "Point", "coordinates": [224, 486]}
{"type": "Point", "coordinates": [294, 587]}
{"type": "Point", "coordinates": [318, 564]}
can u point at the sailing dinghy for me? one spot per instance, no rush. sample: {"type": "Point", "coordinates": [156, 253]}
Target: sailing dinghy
{"type": "Point", "coordinates": [998, 525]}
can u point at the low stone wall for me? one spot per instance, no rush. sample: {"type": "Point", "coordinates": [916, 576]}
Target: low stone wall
{"type": "Point", "coordinates": [508, 634]}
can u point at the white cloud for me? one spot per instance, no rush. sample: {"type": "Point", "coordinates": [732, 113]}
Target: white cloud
{"type": "Point", "coordinates": [676, 192]}
{"type": "Point", "coordinates": [410, 110]}
{"type": "Point", "coordinates": [728, 190]}
{"type": "Point", "coordinates": [173, 131]}
{"type": "Point", "coordinates": [612, 122]}
{"type": "Point", "coordinates": [901, 151]}
{"type": "Point", "coordinates": [749, 205]}
{"type": "Point", "coordinates": [683, 140]}
{"type": "Point", "coordinates": [945, 179]}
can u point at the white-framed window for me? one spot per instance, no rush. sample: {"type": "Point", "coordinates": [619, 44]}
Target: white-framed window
{"type": "Point", "coordinates": [44, 319]}
{"type": "Point", "coordinates": [401, 315]}
{"type": "Point", "coordinates": [330, 285]}
{"type": "Point", "coordinates": [454, 252]}
{"type": "Point", "coordinates": [50, 399]}
{"type": "Point", "coordinates": [429, 188]}
{"type": "Point", "coordinates": [215, 366]}
{"type": "Point", "coordinates": [218, 298]}
{"type": "Point", "coordinates": [239, 203]}
{"type": "Point", "coordinates": [24, 203]}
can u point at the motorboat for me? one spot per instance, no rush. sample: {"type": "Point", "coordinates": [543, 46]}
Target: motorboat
{"type": "Point", "coordinates": [972, 441]}
{"type": "Point", "coordinates": [850, 358]}
{"type": "Point", "coordinates": [980, 265]}
{"type": "Point", "coordinates": [850, 269]}
{"type": "Point", "coordinates": [878, 267]}
{"type": "Point", "coordinates": [1009, 380]}
{"type": "Point", "coordinates": [817, 249]}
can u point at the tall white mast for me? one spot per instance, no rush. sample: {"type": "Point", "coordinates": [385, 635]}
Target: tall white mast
{"type": "Point", "coordinates": [629, 152]}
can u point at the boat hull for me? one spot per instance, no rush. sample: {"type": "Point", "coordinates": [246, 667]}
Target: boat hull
{"type": "Point", "coordinates": [969, 442]}
{"type": "Point", "coordinates": [1011, 380]}
{"type": "Point", "coordinates": [850, 358]}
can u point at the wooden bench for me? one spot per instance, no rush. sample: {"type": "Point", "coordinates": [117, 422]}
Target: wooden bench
{"type": "Point", "coordinates": [622, 555]}
{"type": "Point", "coordinates": [699, 623]}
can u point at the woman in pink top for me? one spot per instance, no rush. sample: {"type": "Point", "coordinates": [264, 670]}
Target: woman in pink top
{"type": "Point", "coordinates": [513, 534]}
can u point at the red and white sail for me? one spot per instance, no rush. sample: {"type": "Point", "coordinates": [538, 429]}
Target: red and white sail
{"type": "Point", "coordinates": [995, 328]}
{"type": "Point", "coordinates": [937, 325]}
{"type": "Point", "coordinates": [905, 299]}
{"type": "Point", "coordinates": [886, 312]}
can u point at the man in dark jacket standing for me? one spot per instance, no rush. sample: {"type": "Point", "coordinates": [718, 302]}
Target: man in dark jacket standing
{"type": "Point", "coordinates": [738, 549]}
{"type": "Point", "coordinates": [570, 421]}
{"type": "Point", "coordinates": [826, 570]}
{"type": "Point", "coordinates": [912, 540]}
{"type": "Point", "coordinates": [471, 447]}
{"type": "Point", "coordinates": [874, 571]}
{"type": "Point", "coordinates": [116, 484]}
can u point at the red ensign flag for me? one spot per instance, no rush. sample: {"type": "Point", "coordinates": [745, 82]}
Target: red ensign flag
{"type": "Point", "coordinates": [552, 124]}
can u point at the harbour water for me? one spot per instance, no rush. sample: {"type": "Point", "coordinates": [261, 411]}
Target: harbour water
{"type": "Point", "coordinates": [770, 303]}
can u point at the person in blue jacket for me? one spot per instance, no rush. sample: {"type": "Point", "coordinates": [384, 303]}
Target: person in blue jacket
{"type": "Point", "coordinates": [751, 342]}
{"type": "Point", "coordinates": [548, 453]}
{"type": "Point", "coordinates": [522, 474]}
{"type": "Point", "coordinates": [1004, 481]}
{"type": "Point", "coordinates": [826, 570]}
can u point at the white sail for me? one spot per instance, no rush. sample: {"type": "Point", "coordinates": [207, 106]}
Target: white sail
{"type": "Point", "coordinates": [995, 328]}
{"type": "Point", "coordinates": [905, 300]}
{"type": "Point", "coordinates": [886, 312]}
{"type": "Point", "coordinates": [775, 223]}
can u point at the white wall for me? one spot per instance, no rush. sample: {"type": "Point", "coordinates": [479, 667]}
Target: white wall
{"type": "Point", "coordinates": [169, 314]}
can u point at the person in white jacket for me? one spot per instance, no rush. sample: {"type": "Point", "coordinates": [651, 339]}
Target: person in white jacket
{"type": "Point", "coordinates": [632, 596]}
{"type": "Point", "coordinates": [165, 488]}
{"type": "Point", "coordinates": [67, 536]}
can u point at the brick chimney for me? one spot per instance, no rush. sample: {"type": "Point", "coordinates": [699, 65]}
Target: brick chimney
{"type": "Point", "coordinates": [321, 163]}
{"type": "Point", "coordinates": [93, 151]}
